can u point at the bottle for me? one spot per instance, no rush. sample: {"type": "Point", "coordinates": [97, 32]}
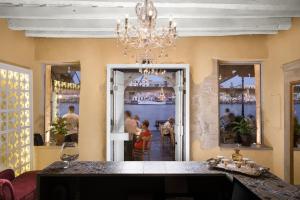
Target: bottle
{"type": "Point", "coordinates": [236, 156]}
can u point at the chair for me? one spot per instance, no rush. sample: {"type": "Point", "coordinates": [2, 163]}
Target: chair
{"type": "Point", "coordinates": [72, 137]}
{"type": "Point", "coordinates": [38, 140]}
{"type": "Point", "coordinates": [22, 187]}
{"type": "Point", "coordinates": [146, 150]}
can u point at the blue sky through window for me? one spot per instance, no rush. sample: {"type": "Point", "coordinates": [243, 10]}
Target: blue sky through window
{"type": "Point", "coordinates": [236, 82]}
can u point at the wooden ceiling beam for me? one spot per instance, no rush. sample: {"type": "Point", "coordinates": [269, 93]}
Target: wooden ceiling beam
{"type": "Point", "coordinates": [73, 12]}
{"type": "Point", "coordinates": [106, 34]}
{"type": "Point", "coordinates": [271, 24]}
{"type": "Point", "coordinates": [228, 4]}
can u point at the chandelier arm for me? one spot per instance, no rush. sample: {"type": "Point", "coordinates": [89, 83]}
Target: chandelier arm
{"type": "Point", "coordinates": [144, 37]}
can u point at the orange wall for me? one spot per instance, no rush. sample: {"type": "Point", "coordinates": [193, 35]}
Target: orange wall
{"type": "Point", "coordinates": [95, 54]}
{"type": "Point", "coordinates": [20, 51]}
{"type": "Point", "coordinates": [283, 48]}
{"type": "Point", "coordinates": [199, 52]}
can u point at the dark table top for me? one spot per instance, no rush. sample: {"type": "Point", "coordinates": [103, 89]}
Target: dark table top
{"type": "Point", "coordinates": [267, 186]}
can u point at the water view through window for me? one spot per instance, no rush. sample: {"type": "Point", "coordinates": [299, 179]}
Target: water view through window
{"type": "Point", "coordinates": [64, 91]}
{"type": "Point", "coordinates": [238, 103]}
{"type": "Point", "coordinates": [151, 98]}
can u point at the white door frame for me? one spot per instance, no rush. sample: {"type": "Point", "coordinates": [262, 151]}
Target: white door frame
{"type": "Point", "coordinates": [185, 67]}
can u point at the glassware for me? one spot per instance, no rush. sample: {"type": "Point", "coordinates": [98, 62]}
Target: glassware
{"type": "Point", "coordinates": [69, 153]}
{"type": "Point", "coordinates": [236, 156]}
{"type": "Point", "coordinates": [225, 161]}
{"type": "Point", "coordinates": [245, 160]}
{"type": "Point", "coordinates": [238, 164]}
{"type": "Point", "coordinates": [219, 158]}
{"type": "Point", "coordinates": [251, 164]}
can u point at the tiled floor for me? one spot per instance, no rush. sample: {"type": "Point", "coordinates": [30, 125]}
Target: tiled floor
{"type": "Point", "coordinates": [161, 152]}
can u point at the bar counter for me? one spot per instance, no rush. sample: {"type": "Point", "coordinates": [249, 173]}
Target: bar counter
{"type": "Point", "coordinates": [156, 180]}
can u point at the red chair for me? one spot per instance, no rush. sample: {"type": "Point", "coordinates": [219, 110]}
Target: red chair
{"type": "Point", "coordinates": [22, 187]}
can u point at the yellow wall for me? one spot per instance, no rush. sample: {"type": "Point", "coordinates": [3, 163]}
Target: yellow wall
{"type": "Point", "coordinates": [283, 48]}
{"type": "Point", "coordinates": [20, 51]}
{"type": "Point", "coordinates": [199, 52]}
{"type": "Point", "coordinates": [95, 54]}
{"type": "Point", "coordinates": [45, 155]}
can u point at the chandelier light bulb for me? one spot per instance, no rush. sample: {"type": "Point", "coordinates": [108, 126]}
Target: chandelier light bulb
{"type": "Point", "coordinates": [69, 70]}
{"type": "Point", "coordinates": [150, 13]}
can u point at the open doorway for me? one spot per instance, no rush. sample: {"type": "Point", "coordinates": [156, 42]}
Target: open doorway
{"type": "Point", "coordinates": [160, 100]}
{"type": "Point", "coordinates": [151, 98]}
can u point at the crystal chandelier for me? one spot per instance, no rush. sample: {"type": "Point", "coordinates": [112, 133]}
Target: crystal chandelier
{"type": "Point", "coordinates": [149, 42]}
{"type": "Point", "coordinates": [149, 71]}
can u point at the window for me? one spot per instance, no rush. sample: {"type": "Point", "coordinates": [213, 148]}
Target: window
{"type": "Point", "coordinates": [295, 114]}
{"type": "Point", "coordinates": [239, 103]}
{"type": "Point", "coordinates": [62, 101]}
{"type": "Point", "coordinates": [15, 118]}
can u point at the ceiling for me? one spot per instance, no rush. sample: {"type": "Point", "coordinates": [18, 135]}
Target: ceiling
{"type": "Point", "coordinates": [97, 18]}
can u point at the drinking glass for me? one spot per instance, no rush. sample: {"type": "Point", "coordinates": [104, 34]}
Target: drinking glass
{"type": "Point", "coordinates": [69, 153]}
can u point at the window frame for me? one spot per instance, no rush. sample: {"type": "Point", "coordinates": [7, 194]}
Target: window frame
{"type": "Point", "coordinates": [259, 122]}
{"type": "Point", "coordinates": [47, 90]}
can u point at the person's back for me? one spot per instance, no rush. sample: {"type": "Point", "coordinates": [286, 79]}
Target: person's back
{"type": "Point", "coordinates": [72, 120]}
{"type": "Point", "coordinates": [130, 126]}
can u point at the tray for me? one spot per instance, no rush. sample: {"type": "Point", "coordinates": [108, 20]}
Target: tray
{"type": "Point", "coordinates": [231, 167]}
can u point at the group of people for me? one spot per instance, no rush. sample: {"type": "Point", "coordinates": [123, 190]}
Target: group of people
{"type": "Point", "coordinates": [228, 122]}
{"type": "Point", "coordinates": [136, 131]}
{"type": "Point", "coordinates": [229, 117]}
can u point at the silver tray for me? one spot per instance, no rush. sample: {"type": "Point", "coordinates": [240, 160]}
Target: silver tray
{"type": "Point", "coordinates": [231, 167]}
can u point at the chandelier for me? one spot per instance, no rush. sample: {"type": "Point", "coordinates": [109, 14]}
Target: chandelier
{"type": "Point", "coordinates": [151, 71]}
{"type": "Point", "coordinates": [149, 43]}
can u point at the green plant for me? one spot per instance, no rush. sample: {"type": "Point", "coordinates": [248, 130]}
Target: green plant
{"type": "Point", "coordinates": [242, 127]}
{"type": "Point", "coordinates": [59, 127]}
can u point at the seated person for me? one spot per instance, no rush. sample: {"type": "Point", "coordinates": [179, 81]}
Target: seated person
{"type": "Point", "coordinates": [168, 126]}
{"type": "Point", "coordinates": [144, 133]}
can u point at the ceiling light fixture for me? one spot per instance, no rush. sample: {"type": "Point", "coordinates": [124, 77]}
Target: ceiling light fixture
{"type": "Point", "coordinates": [150, 42]}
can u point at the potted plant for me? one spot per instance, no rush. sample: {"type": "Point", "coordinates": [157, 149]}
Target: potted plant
{"type": "Point", "coordinates": [59, 130]}
{"type": "Point", "coordinates": [243, 129]}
